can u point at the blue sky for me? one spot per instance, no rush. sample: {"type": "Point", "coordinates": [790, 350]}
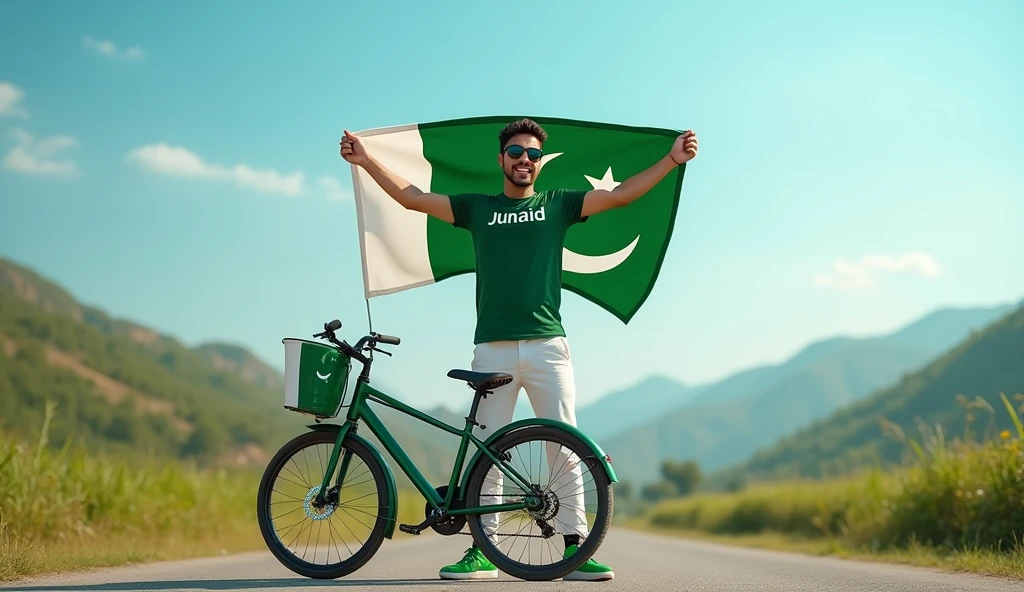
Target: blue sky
{"type": "Point", "coordinates": [177, 164]}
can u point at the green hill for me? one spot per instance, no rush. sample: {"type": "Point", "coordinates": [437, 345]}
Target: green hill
{"type": "Point", "coordinates": [114, 395]}
{"type": "Point", "coordinates": [122, 387]}
{"type": "Point", "coordinates": [971, 374]}
{"type": "Point", "coordinates": [618, 410]}
{"type": "Point", "coordinates": [243, 363]}
{"type": "Point", "coordinates": [726, 422]}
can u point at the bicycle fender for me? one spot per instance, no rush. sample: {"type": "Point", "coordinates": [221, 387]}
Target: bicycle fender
{"type": "Point", "coordinates": [606, 461]}
{"type": "Point", "coordinates": [389, 476]}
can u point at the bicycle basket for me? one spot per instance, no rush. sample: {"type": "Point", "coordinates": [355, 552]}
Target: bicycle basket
{"type": "Point", "coordinates": [316, 377]}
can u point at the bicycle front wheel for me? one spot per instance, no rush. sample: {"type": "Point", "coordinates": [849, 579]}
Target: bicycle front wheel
{"type": "Point", "coordinates": [576, 502]}
{"type": "Point", "coordinates": [330, 540]}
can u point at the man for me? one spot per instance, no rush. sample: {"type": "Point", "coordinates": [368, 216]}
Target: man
{"type": "Point", "coordinates": [518, 283]}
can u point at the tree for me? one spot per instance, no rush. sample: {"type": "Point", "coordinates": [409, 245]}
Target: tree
{"type": "Point", "coordinates": [624, 490]}
{"type": "Point", "coordinates": [685, 476]}
{"type": "Point", "coordinates": [657, 491]}
{"type": "Point", "coordinates": [735, 484]}
{"type": "Point", "coordinates": [207, 439]}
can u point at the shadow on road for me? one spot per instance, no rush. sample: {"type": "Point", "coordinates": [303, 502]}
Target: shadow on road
{"type": "Point", "coordinates": [231, 584]}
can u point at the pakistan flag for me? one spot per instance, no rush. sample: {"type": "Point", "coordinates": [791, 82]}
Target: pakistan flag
{"type": "Point", "coordinates": [612, 259]}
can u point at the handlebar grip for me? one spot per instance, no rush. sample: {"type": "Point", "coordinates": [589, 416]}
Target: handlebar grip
{"type": "Point", "coordinates": [388, 339]}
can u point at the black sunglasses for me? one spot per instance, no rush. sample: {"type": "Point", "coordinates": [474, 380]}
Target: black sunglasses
{"type": "Point", "coordinates": [515, 151]}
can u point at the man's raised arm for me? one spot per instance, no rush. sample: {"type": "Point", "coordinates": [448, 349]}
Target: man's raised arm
{"type": "Point", "coordinates": [405, 193]}
{"type": "Point", "coordinates": [598, 200]}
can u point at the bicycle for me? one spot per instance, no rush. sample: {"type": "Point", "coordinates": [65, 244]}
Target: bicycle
{"type": "Point", "coordinates": [317, 377]}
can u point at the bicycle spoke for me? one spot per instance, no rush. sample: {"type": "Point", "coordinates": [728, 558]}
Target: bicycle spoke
{"type": "Point", "coordinates": [368, 527]}
{"type": "Point", "coordinates": [331, 524]}
{"type": "Point", "coordinates": [313, 534]}
{"type": "Point", "coordinates": [292, 482]}
{"type": "Point", "coordinates": [289, 500]}
{"type": "Point", "coordinates": [286, 513]}
{"type": "Point", "coordinates": [305, 484]}
{"type": "Point", "coordinates": [354, 535]}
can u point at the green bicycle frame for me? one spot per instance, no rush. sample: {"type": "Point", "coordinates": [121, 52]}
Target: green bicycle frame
{"type": "Point", "coordinates": [360, 410]}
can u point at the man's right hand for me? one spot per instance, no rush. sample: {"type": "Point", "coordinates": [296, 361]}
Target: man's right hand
{"type": "Point", "coordinates": [405, 193]}
{"type": "Point", "coordinates": [352, 150]}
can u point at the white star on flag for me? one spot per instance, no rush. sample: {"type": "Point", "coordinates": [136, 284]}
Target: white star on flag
{"type": "Point", "coordinates": [607, 182]}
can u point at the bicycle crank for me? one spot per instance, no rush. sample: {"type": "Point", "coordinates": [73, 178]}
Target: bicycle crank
{"type": "Point", "coordinates": [447, 524]}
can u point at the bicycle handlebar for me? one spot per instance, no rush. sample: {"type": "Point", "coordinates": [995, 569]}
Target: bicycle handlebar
{"type": "Point", "coordinates": [356, 351]}
{"type": "Point", "coordinates": [388, 339]}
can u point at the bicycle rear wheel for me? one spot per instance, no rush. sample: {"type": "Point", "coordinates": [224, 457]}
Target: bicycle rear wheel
{"type": "Point", "coordinates": [577, 501]}
{"type": "Point", "coordinates": [346, 531]}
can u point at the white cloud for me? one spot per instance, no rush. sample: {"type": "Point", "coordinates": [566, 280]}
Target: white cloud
{"type": "Point", "coordinates": [10, 97]}
{"type": "Point", "coordinates": [333, 188]}
{"type": "Point", "coordinates": [109, 49]}
{"type": "Point", "coordinates": [37, 157]}
{"type": "Point", "coordinates": [177, 161]}
{"type": "Point", "coordinates": [848, 275]}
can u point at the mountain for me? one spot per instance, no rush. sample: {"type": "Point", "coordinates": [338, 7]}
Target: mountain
{"type": "Point", "coordinates": [115, 394]}
{"type": "Point", "coordinates": [122, 387]}
{"type": "Point", "coordinates": [727, 421]}
{"type": "Point", "coordinates": [625, 408]}
{"type": "Point", "coordinates": [33, 288]}
{"type": "Point", "coordinates": [980, 367]}
{"type": "Point", "coordinates": [243, 363]}
{"type": "Point", "coordinates": [944, 328]}
{"type": "Point", "coordinates": [620, 410]}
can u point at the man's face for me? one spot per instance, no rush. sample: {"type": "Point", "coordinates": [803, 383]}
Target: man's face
{"type": "Point", "coordinates": [516, 162]}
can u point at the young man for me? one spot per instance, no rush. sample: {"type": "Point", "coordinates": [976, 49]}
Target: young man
{"type": "Point", "coordinates": [518, 284]}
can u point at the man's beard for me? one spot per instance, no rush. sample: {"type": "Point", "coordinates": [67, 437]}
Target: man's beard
{"type": "Point", "coordinates": [518, 183]}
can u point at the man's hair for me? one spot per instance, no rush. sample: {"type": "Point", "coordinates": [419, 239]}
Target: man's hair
{"type": "Point", "coordinates": [523, 126]}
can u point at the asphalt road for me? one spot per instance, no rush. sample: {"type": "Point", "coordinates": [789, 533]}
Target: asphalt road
{"type": "Point", "coordinates": [641, 562]}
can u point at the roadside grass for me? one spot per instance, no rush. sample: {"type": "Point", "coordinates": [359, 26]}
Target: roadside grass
{"type": "Point", "coordinates": [960, 507]}
{"type": "Point", "coordinates": [67, 510]}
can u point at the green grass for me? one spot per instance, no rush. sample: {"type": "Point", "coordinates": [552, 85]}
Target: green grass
{"type": "Point", "coordinates": [64, 510]}
{"type": "Point", "coordinates": [961, 506]}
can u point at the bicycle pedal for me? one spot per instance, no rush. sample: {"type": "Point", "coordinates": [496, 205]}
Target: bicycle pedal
{"type": "Point", "coordinates": [418, 528]}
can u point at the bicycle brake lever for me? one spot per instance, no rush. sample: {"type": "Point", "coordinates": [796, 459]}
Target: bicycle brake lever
{"type": "Point", "coordinates": [381, 351]}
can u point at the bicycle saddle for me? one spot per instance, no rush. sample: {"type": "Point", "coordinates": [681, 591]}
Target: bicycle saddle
{"type": "Point", "coordinates": [481, 380]}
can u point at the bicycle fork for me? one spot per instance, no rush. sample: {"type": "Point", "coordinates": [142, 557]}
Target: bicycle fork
{"type": "Point", "coordinates": [335, 492]}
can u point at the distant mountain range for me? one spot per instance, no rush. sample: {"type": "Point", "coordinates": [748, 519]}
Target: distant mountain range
{"type": "Point", "coordinates": [620, 410]}
{"type": "Point", "coordinates": [977, 369]}
{"type": "Point", "coordinates": [727, 421]}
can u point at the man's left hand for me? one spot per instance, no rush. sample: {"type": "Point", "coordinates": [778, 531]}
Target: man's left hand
{"type": "Point", "coordinates": [685, 148]}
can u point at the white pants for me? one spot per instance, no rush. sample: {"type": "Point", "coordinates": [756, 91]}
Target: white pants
{"type": "Point", "coordinates": [543, 367]}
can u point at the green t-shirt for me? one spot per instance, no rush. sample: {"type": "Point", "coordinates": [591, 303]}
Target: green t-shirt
{"type": "Point", "coordinates": [518, 248]}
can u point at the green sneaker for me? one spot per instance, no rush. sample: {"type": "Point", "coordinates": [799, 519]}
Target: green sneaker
{"type": "Point", "coordinates": [474, 566]}
{"type": "Point", "coordinates": [590, 571]}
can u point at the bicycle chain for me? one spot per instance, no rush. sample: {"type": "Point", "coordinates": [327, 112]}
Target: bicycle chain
{"type": "Point", "coordinates": [532, 536]}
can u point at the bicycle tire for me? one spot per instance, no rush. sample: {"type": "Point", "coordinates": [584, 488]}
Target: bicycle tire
{"type": "Point", "coordinates": [597, 533]}
{"type": "Point", "coordinates": [273, 542]}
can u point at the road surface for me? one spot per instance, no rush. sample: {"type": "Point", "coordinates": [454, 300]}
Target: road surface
{"type": "Point", "coordinates": [641, 561]}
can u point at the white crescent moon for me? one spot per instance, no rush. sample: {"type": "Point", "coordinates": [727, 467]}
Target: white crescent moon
{"type": "Point", "coordinates": [321, 377]}
{"type": "Point", "coordinates": [577, 263]}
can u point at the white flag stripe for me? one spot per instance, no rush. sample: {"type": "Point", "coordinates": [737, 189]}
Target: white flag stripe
{"type": "Point", "coordinates": [292, 355]}
{"type": "Point", "coordinates": [393, 239]}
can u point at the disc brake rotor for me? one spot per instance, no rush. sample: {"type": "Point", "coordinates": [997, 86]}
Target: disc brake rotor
{"type": "Point", "coordinates": [312, 511]}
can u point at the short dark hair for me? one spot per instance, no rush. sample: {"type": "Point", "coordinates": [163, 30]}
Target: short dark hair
{"type": "Point", "coordinates": [523, 126]}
